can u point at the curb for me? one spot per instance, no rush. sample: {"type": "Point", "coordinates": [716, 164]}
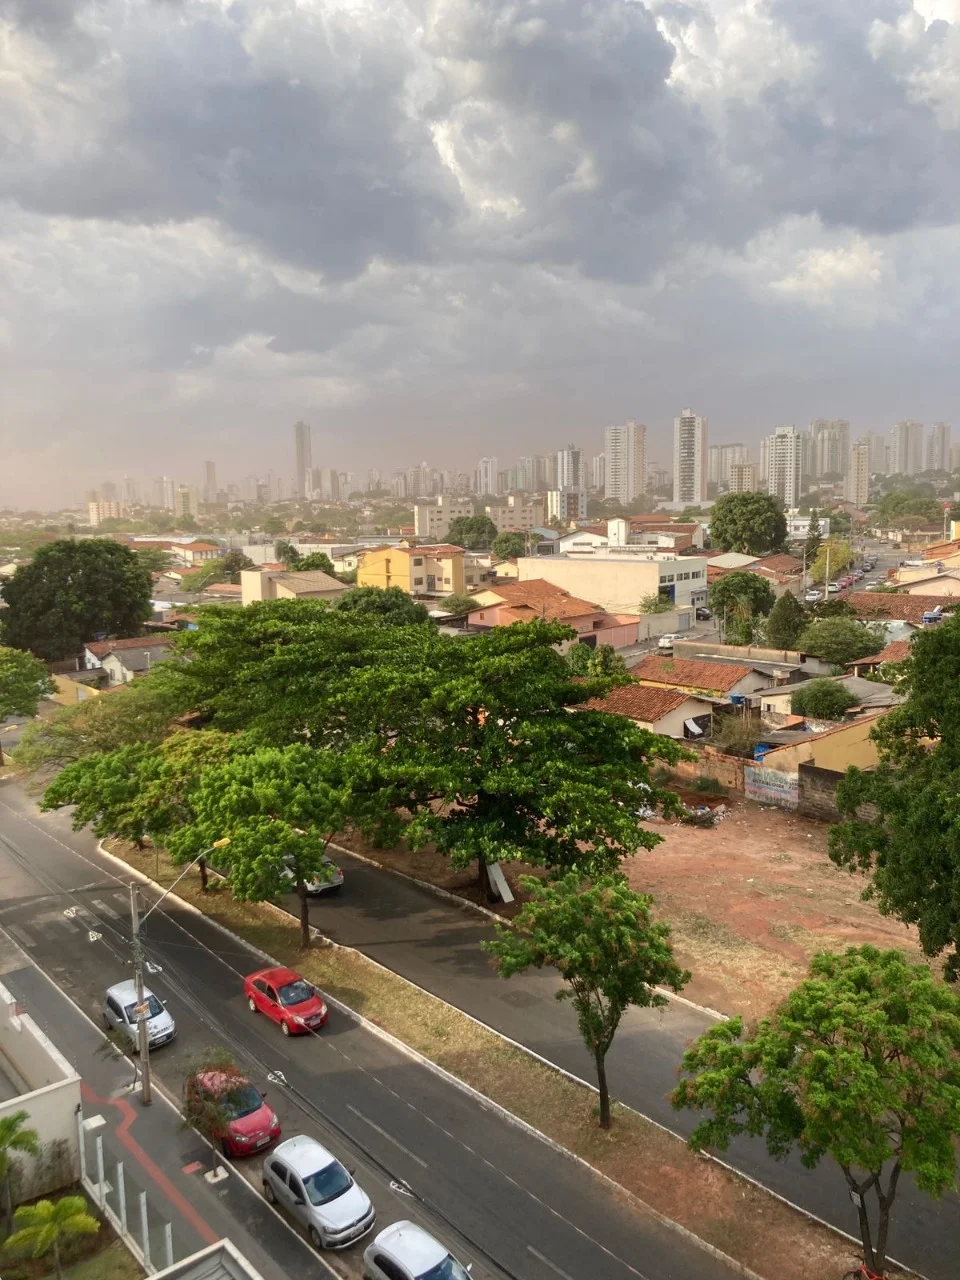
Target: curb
{"type": "Point", "coordinates": [488, 1103]}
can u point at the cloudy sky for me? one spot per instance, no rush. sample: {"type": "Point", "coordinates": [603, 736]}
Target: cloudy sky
{"type": "Point", "coordinates": [442, 228]}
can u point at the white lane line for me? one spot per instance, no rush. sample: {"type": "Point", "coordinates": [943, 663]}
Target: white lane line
{"type": "Point", "coordinates": [102, 906]}
{"type": "Point", "coordinates": [25, 939]}
{"type": "Point", "coordinates": [389, 1136]}
{"type": "Point", "coordinates": [547, 1263]}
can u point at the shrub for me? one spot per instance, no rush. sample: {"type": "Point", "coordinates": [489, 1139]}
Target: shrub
{"type": "Point", "coordinates": [825, 699]}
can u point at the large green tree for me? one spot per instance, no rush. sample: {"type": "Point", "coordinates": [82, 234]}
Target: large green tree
{"type": "Point", "coordinates": [786, 621]}
{"type": "Point", "coordinates": [832, 558]}
{"type": "Point", "coordinates": [860, 1064]}
{"type": "Point", "coordinates": [476, 533]}
{"type": "Point", "coordinates": [154, 559]}
{"type": "Point", "coordinates": [840, 640]}
{"type": "Point", "coordinates": [811, 546]}
{"type": "Point", "coordinates": [509, 545]}
{"type": "Point", "coordinates": [390, 604]}
{"type": "Point", "coordinates": [71, 592]}
{"type": "Point", "coordinates": [23, 682]}
{"type": "Point", "coordinates": [752, 523]}
{"type": "Point", "coordinates": [608, 951]}
{"type": "Point", "coordinates": [825, 699]}
{"type": "Point", "coordinates": [314, 561]}
{"type": "Point", "coordinates": [907, 500]}
{"type": "Point", "coordinates": [738, 599]}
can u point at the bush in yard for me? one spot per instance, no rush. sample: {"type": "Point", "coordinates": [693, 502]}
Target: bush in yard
{"type": "Point", "coordinates": [822, 699]}
{"type": "Point", "coordinates": [840, 640]}
{"type": "Point", "coordinates": [48, 1226]}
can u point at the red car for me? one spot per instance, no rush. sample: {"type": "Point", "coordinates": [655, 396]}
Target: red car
{"type": "Point", "coordinates": [249, 1124]}
{"type": "Point", "coordinates": [285, 997]}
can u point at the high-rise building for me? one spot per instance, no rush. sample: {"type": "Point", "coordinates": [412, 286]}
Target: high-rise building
{"type": "Point", "coordinates": [731, 455]}
{"type": "Point", "coordinates": [938, 447]}
{"type": "Point", "coordinates": [831, 446]}
{"type": "Point", "coordinates": [516, 515]}
{"type": "Point", "coordinates": [418, 481]}
{"type": "Point", "coordinates": [570, 468]}
{"type": "Point", "coordinates": [955, 457]}
{"type": "Point", "coordinates": [209, 482]}
{"type": "Point", "coordinates": [432, 516]}
{"type": "Point", "coordinates": [185, 501]}
{"type": "Point", "coordinates": [785, 465]}
{"type": "Point", "coordinates": [598, 471]}
{"type": "Point", "coordinates": [856, 484]}
{"type": "Point", "coordinates": [487, 477]}
{"type": "Point", "coordinates": [879, 454]}
{"type": "Point", "coordinates": [658, 478]}
{"type": "Point", "coordinates": [713, 464]}
{"type": "Point", "coordinates": [109, 492]}
{"type": "Point", "coordinates": [373, 480]}
{"type": "Point", "coordinates": [163, 492]}
{"type": "Point", "coordinates": [527, 469]}
{"type": "Point", "coordinates": [566, 504]}
{"type": "Point", "coordinates": [131, 491]}
{"type": "Point", "coordinates": [743, 478]}
{"type": "Point", "coordinates": [398, 484]}
{"type": "Point", "coordinates": [689, 458]}
{"type": "Point", "coordinates": [98, 511]}
{"type": "Point", "coordinates": [906, 448]}
{"type": "Point", "coordinates": [303, 445]}
{"type": "Point", "coordinates": [545, 471]}
{"type": "Point", "coordinates": [626, 462]}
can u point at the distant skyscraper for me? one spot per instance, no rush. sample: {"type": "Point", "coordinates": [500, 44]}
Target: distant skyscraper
{"type": "Point", "coordinates": [303, 444]}
{"type": "Point", "coordinates": [938, 447]}
{"type": "Point", "coordinates": [730, 455]}
{"type": "Point", "coordinates": [831, 446]}
{"type": "Point", "coordinates": [131, 493]}
{"type": "Point", "coordinates": [163, 492]}
{"type": "Point", "coordinates": [689, 458]}
{"type": "Point", "coordinates": [713, 464]}
{"type": "Point", "coordinates": [185, 501]}
{"type": "Point", "coordinates": [97, 512]}
{"type": "Point", "coordinates": [570, 473]}
{"type": "Point", "coordinates": [109, 492]}
{"type": "Point", "coordinates": [856, 485]}
{"type": "Point", "coordinates": [373, 480]}
{"type": "Point", "coordinates": [626, 462]}
{"type": "Point", "coordinates": [487, 477]}
{"type": "Point", "coordinates": [209, 482]}
{"type": "Point", "coordinates": [785, 465]}
{"type": "Point", "coordinates": [598, 471]}
{"type": "Point", "coordinates": [545, 471]}
{"type": "Point", "coordinates": [906, 448]}
{"type": "Point", "coordinates": [743, 477]}
{"type": "Point", "coordinates": [879, 454]}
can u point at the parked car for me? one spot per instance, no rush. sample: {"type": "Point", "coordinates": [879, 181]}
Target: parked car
{"type": "Point", "coordinates": [704, 614]}
{"type": "Point", "coordinates": [120, 1014]}
{"type": "Point", "coordinates": [667, 641]}
{"type": "Point", "coordinates": [284, 997]}
{"type": "Point", "coordinates": [833, 588]}
{"type": "Point", "coordinates": [405, 1251]}
{"type": "Point", "coordinates": [249, 1123]}
{"type": "Point", "coordinates": [314, 1187]}
{"type": "Point", "coordinates": [331, 882]}
{"type": "Point", "coordinates": [813, 596]}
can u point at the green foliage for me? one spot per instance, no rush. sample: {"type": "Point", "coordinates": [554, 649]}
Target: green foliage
{"type": "Point", "coordinates": [834, 556]}
{"type": "Point", "coordinates": [286, 552]}
{"type": "Point", "coordinates": [476, 533]}
{"type": "Point", "coordinates": [752, 523]}
{"type": "Point", "coordinates": [233, 563]}
{"type": "Point", "coordinates": [154, 559]}
{"type": "Point", "coordinates": [823, 699]}
{"type": "Point", "coordinates": [709, 786]}
{"type": "Point", "coordinates": [735, 735]}
{"type": "Point", "coordinates": [656, 604]}
{"type": "Point", "coordinates": [785, 623]}
{"type": "Point", "coordinates": [15, 1138]}
{"type": "Point", "coordinates": [314, 561]}
{"type": "Point", "coordinates": [861, 1064]}
{"type": "Point", "coordinates": [508, 546]}
{"type": "Point", "coordinates": [601, 660]}
{"type": "Point", "coordinates": [811, 547]}
{"type": "Point", "coordinates": [391, 604]}
{"type": "Point", "coordinates": [271, 526]}
{"type": "Point", "coordinates": [830, 607]}
{"type": "Point", "coordinates": [608, 951]}
{"type": "Point", "coordinates": [23, 682]}
{"type": "Point", "coordinates": [71, 592]}
{"type": "Point", "coordinates": [205, 1111]}
{"type": "Point", "coordinates": [840, 640]}
{"type": "Point", "coordinates": [457, 605]}
{"type": "Point", "coordinates": [908, 500]}
{"type": "Point", "coordinates": [739, 588]}
{"type": "Point", "coordinates": [48, 1226]}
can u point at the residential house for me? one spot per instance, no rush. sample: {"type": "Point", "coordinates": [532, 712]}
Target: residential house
{"type": "Point", "coordinates": [77, 686]}
{"type": "Point", "coordinates": [94, 651]}
{"type": "Point", "coordinates": [509, 602]}
{"type": "Point", "coordinates": [899, 614]}
{"type": "Point", "coordinates": [431, 570]}
{"type": "Point", "coordinates": [196, 554]}
{"type": "Point", "coordinates": [804, 774]}
{"type": "Point", "coordinates": [895, 652]}
{"type": "Point", "coordinates": [675, 713]}
{"type": "Point", "coordinates": [270, 584]}
{"type": "Point", "coordinates": [919, 582]}
{"type": "Point", "coordinates": [773, 704]}
{"type": "Point", "coordinates": [717, 680]}
{"type": "Point", "coordinates": [125, 662]}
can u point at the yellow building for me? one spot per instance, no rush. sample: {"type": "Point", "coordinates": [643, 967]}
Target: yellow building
{"type": "Point", "coordinates": [435, 570]}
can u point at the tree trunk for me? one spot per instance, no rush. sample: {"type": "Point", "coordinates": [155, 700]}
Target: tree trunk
{"type": "Point", "coordinates": [604, 1091]}
{"type": "Point", "coordinates": [883, 1220]}
{"type": "Point", "coordinates": [56, 1260]}
{"type": "Point", "coordinates": [1, 755]}
{"type": "Point", "coordinates": [8, 1184]}
{"type": "Point", "coordinates": [304, 914]}
{"type": "Point", "coordinates": [202, 864]}
{"type": "Point", "coordinates": [484, 883]}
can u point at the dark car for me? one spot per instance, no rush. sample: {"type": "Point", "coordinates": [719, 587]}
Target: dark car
{"type": "Point", "coordinates": [704, 615]}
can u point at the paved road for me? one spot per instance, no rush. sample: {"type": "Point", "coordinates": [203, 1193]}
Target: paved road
{"type": "Point", "coordinates": [502, 1199]}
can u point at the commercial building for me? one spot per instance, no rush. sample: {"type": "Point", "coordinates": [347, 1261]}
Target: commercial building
{"type": "Point", "coordinates": [856, 485]}
{"type": "Point", "coordinates": [743, 478]}
{"type": "Point", "coordinates": [906, 448]}
{"type": "Point", "coordinates": [303, 448]}
{"type": "Point", "coordinates": [689, 458]}
{"type": "Point", "coordinates": [209, 482]}
{"type": "Point", "coordinates": [566, 504]}
{"type": "Point", "coordinates": [938, 447]}
{"type": "Point", "coordinates": [598, 472]}
{"type": "Point", "coordinates": [618, 579]}
{"type": "Point", "coordinates": [625, 466]}
{"type": "Point", "coordinates": [432, 517]}
{"type": "Point", "coordinates": [784, 459]}
{"type": "Point", "coordinates": [515, 515]}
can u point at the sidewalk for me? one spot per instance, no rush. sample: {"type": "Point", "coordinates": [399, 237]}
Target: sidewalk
{"type": "Point", "coordinates": [158, 1155]}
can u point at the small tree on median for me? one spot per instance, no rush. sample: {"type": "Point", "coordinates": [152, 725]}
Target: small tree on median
{"type": "Point", "coordinates": [606, 948]}
{"type": "Point", "coordinates": [860, 1063]}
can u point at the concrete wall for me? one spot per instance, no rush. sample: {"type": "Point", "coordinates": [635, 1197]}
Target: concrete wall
{"type": "Point", "coordinates": [771, 786]}
{"type": "Point", "coordinates": [617, 584]}
{"type": "Point", "coordinates": [728, 770]}
{"type": "Point", "coordinates": [69, 692]}
{"type": "Point", "coordinates": [837, 749]}
{"type": "Point", "coordinates": [51, 1099]}
{"type": "Point", "coordinates": [790, 657]}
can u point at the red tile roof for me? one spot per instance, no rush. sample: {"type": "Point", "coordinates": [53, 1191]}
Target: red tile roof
{"type": "Point", "coordinates": [512, 592]}
{"type": "Point", "coordinates": [690, 673]}
{"type": "Point", "coordinates": [781, 563]}
{"type": "Point", "coordinates": [895, 651]}
{"type": "Point", "coordinates": [556, 608]}
{"type": "Point", "coordinates": [899, 608]}
{"type": "Point", "coordinates": [99, 648]}
{"type": "Point", "coordinates": [639, 702]}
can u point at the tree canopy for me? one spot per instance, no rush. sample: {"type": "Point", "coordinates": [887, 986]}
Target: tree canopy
{"type": "Point", "coordinates": [840, 640]}
{"type": "Point", "coordinates": [832, 558]}
{"type": "Point", "coordinates": [476, 533]}
{"type": "Point", "coordinates": [823, 699]}
{"type": "Point", "coordinates": [907, 500]}
{"type": "Point", "coordinates": [737, 599]}
{"type": "Point", "coordinates": [608, 951]}
{"type": "Point", "coordinates": [314, 561]}
{"type": "Point", "coordinates": [71, 592]}
{"type": "Point", "coordinates": [786, 621]}
{"type": "Point", "coordinates": [752, 523]}
{"type": "Point", "coordinates": [23, 682]}
{"type": "Point", "coordinates": [509, 545]}
{"type": "Point", "coordinates": [391, 604]}
{"type": "Point", "coordinates": [814, 538]}
{"type": "Point", "coordinates": [861, 1064]}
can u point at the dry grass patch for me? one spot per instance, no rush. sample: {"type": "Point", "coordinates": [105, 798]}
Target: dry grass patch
{"type": "Point", "coordinates": [733, 1215]}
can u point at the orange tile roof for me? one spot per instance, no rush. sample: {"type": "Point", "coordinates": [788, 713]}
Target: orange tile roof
{"type": "Point", "coordinates": [639, 702]}
{"type": "Point", "coordinates": [899, 608]}
{"type": "Point", "coordinates": [99, 648]}
{"type": "Point", "coordinates": [522, 592]}
{"type": "Point", "coordinates": [690, 673]}
{"type": "Point", "coordinates": [895, 651]}
{"type": "Point", "coordinates": [557, 608]}
{"type": "Point", "coordinates": [781, 563]}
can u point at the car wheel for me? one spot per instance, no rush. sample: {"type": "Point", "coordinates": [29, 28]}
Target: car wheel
{"type": "Point", "coordinates": [316, 1239]}
{"type": "Point", "coordinates": [285, 1027]}
{"type": "Point", "coordinates": [334, 889]}
{"type": "Point", "coordinates": [251, 1004]}
{"type": "Point", "coordinates": [269, 1194]}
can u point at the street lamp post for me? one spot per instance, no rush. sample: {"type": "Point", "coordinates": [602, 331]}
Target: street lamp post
{"type": "Point", "coordinates": [143, 1034]}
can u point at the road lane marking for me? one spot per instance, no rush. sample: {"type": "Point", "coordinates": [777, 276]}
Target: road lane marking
{"type": "Point", "coordinates": [547, 1263]}
{"type": "Point", "coordinates": [389, 1136]}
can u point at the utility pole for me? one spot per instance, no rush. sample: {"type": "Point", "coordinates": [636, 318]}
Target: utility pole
{"type": "Point", "coordinates": [143, 1034]}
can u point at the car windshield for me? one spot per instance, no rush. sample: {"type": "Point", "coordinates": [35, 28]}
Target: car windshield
{"type": "Point", "coordinates": [448, 1269]}
{"type": "Point", "coordinates": [328, 1183]}
{"type": "Point", "coordinates": [154, 1008]}
{"type": "Point", "coordinates": [295, 992]}
{"type": "Point", "coordinates": [241, 1100]}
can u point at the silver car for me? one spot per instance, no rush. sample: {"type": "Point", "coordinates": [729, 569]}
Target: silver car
{"type": "Point", "coordinates": [315, 1188]}
{"type": "Point", "coordinates": [405, 1251]}
{"type": "Point", "coordinates": [330, 882]}
{"type": "Point", "coordinates": [120, 1013]}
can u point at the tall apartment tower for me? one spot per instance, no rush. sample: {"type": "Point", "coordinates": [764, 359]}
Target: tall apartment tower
{"type": "Point", "coordinates": [906, 448]}
{"type": "Point", "coordinates": [570, 473]}
{"type": "Point", "coordinates": [713, 464]}
{"type": "Point", "coordinates": [487, 477]}
{"type": "Point", "coordinates": [303, 445]}
{"type": "Point", "coordinates": [209, 482]}
{"type": "Point", "coordinates": [743, 477]}
{"type": "Point", "coordinates": [856, 484]}
{"type": "Point", "coordinates": [784, 455]}
{"type": "Point", "coordinates": [938, 447]}
{"type": "Point", "coordinates": [598, 472]}
{"type": "Point", "coordinates": [626, 462]}
{"type": "Point", "coordinates": [830, 446]}
{"type": "Point", "coordinates": [879, 454]}
{"type": "Point", "coordinates": [689, 458]}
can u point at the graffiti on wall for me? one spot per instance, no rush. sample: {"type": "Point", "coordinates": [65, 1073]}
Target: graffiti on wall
{"type": "Point", "coordinates": [771, 786]}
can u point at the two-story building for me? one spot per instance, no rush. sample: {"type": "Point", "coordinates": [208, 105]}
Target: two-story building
{"type": "Point", "coordinates": [433, 570]}
{"type": "Point", "coordinates": [620, 578]}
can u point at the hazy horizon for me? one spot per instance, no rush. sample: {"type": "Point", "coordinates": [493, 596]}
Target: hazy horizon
{"type": "Point", "coordinates": [440, 229]}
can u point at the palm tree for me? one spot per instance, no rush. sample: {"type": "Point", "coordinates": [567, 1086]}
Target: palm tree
{"type": "Point", "coordinates": [15, 1137]}
{"type": "Point", "coordinates": [48, 1224]}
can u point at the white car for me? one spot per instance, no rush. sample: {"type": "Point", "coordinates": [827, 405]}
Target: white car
{"type": "Point", "coordinates": [405, 1251]}
{"type": "Point", "coordinates": [316, 1190]}
{"type": "Point", "coordinates": [332, 882]}
{"type": "Point", "coordinates": [813, 596]}
{"type": "Point", "coordinates": [120, 1014]}
{"type": "Point", "coordinates": [666, 642]}
{"type": "Point", "coordinates": [833, 588]}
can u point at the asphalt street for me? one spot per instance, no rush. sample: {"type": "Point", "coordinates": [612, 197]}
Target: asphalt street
{"type": "Point", "coordinates": [423, 1148]}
